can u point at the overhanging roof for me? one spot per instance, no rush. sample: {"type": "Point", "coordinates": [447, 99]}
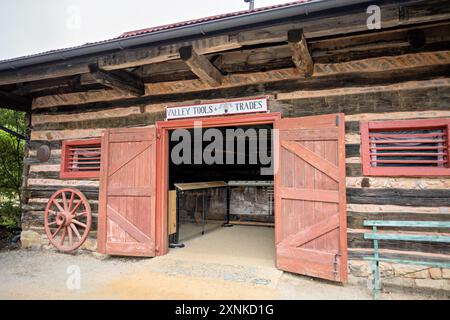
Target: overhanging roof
{"type": "Point", "coordinates": [191, 28]}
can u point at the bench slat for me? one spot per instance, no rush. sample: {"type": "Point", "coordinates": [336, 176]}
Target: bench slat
{"type": "Point", "coordinates": [406, 237]}
{"type": "Point", "coordinates": [415, 224]}
{"type": "Point", "coordinates": [414, 262]}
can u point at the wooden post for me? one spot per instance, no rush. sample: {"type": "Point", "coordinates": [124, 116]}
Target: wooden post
{"type": "Point", "coordinates": [24, 194]}
{"type": "Point", "coordinates": [176, 236]}
{"type": "Point", "coordinates": [201, 66]}
{"type": "Point", "coordinates": [300, 52]}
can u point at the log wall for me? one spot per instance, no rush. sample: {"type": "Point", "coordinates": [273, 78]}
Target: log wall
{"type": "Point", "coordinates": [368, 197]}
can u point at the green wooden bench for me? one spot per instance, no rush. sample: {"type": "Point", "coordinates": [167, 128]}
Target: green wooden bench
{"type": "Point", "coordinates": [391, 235]}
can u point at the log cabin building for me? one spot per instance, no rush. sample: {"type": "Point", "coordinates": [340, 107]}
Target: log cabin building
{"type": "Point", "coordinates": [362, 117]}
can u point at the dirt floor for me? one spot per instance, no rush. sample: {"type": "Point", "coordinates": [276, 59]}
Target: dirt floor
{"type": "Point", "coordinates": [199, 271]}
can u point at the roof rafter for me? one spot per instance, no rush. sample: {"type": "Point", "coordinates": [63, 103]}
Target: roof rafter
{"type": "Point", "coordinates": [201, 66]}
{"type": "Point", "coordinates": [121, 80]}
{"type": "Point", "coordinates": [300, 52]}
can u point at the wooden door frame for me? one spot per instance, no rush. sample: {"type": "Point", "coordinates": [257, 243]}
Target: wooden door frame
{"type": "Point", "coordinates": [162, 159]}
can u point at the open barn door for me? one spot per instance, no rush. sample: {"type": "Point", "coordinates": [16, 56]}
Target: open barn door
{"type": "Point", "coordinates": [127, 193]}
{"type": "Point", "coordinates": [310, 197]}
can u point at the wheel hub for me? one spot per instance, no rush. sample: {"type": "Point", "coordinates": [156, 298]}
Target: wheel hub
{"type": "Point", "coordinates": [63, 219]}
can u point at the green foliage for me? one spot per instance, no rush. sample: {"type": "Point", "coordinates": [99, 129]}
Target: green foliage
{"type": "Point", "coordinates": [10, 215]}
{"type": "Point", "coordinates": [11, 162]}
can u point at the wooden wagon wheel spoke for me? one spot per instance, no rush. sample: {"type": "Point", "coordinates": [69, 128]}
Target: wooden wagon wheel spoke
{"type": "Point", "coordinates": [76, 215]}
{"type": "Point", "coordinates": [63, 237]}
{"type": "Point", "coordinates": [64, 218]}
{"type": "Point", "coordinates": [64, 200]}
{"type": "Point", "coordinates": [75, 230]}
{"type": "Point", "coordinates": [81, 224]}
{"type": "Point", "coordinates": [76, 207]}
{"type": "Point", "coordinates": [56, 232]}
{"type": "Point", "coordinates": [72, 197]}
{"type": "Point", "coordinates": [58, 205]}
{"type": "Point", "coordinates": [69, 232]}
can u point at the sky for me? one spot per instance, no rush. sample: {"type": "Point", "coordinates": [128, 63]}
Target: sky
{"type": "Point", "coordinates": [30, 26]}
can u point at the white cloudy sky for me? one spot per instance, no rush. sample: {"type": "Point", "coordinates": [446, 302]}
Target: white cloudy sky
{"type": "Point", "coordinates": [30, 26]}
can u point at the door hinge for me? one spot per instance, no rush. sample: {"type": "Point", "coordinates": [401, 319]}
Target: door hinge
{"type": "Point", "coordinates": [337, 120]}
{"type": "Point", "coordinates": [335, 265]}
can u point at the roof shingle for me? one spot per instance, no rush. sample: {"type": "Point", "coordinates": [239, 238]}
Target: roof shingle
{"type": "Point", "coordinates": [207, 19]}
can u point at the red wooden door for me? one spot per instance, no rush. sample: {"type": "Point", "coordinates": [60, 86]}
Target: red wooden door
{"type": "Point", "coordinates": [127, 193]}
{"type": "Point", "coordinates": [310, 216]}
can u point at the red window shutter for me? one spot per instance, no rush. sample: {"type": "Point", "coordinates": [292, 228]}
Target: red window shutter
{"type": "Point", "coordinates": [81, 159]}
{"type": "Point", "coordinates": [405, 148]}
{"type": "Point", "coordinates": [310, 200]}
{"type": "Point", "coordinates": [127, 212]}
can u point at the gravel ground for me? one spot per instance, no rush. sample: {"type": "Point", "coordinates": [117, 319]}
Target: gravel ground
{"type": "Point", "coordinates": [43, 275]}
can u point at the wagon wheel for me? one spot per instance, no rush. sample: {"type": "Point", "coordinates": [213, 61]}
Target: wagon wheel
{"type": "Point", "coordinates": [67, 219]}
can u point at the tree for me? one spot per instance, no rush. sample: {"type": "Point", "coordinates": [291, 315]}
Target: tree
{"type": "Point", "coordinates": [11, 163]}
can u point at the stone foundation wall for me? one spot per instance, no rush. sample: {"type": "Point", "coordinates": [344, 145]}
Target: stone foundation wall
{"type": "Point", "coordinates": [32, 240]}
{"type": "Point", "coordinates": [400, 276]}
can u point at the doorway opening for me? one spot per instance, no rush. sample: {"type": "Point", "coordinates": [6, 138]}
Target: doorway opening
{"type": "Point", "coordinates": [222, 210]}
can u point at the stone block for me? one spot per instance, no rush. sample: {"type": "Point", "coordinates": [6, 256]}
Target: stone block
{"type": "Point", "coordinates": [31, 240]}
{"type": "Point", "coordinates": [100, 256]}
{"type": "Point", "coordinates": [410, 271]}
{"type": "Point", "coordinates": [386, 269]}
{"type": "Point", "coordinates": [433, 284]}
{"type": "Point", "coordinates": [359, 268]}
{"type": "Point", "coordinates": [90, 245]}
{"type": "Point", "coordinates": [398, 282]}
{"type": "Point", "coordinates": [435, 273]}
{"type": "Point", "coordinates": [446, 273]}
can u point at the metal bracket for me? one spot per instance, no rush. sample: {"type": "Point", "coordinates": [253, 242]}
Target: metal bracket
{"type": "Point", "coordinates": [335, 265]}
{"type": "Point", "coordinates": [12, 132]}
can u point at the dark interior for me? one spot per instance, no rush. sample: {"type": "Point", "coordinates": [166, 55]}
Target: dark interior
{"type": "Point", "coordinates": [185, 173]}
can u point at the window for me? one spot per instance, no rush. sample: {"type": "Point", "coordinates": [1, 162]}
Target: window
{"type": "Point", "coordinates": [80, 159]}
{"type": "Point", "coordinates": [406, 148]}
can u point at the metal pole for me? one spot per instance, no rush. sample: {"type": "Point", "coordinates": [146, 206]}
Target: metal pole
{"type": "Point", "coordinates": [228, 224]}
{"type": "Point", "coordinates": [251, 4]}
{"type": "Point", "coordinates": [203, 212]}
{"type": "Point", "coordinates": [376, 268]}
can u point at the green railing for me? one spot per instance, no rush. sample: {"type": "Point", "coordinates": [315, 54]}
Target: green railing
{"type": "Point", "coordinates": [391, 235]}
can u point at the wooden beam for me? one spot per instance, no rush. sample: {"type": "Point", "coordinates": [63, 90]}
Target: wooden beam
{"type": "Point", "coordinates": [365, 67]}
{"type": "Point", "coordinates": [45, 85]}
{"type": "Point", "coordinates": [300, 53]}
{"type": "Point", "coordinates": [201, 66]}
{"type": "Point", "coordinates": [122, 80]}
{"type": "Point", "coordinates": [15, 102]}
{"type": "Point", "coordinates": [334, 50]}
{"type": "Point", "coordinates": [408, 102]}
{"type": "Point", "coordinates": [127, 58]}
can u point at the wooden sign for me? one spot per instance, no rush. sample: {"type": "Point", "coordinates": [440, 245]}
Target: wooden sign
{"type": "Point", "coordinates": [218, 109]}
